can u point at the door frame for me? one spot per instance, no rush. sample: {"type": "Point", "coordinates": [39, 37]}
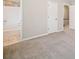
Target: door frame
{"type": "Point", "coordinates": [69, 13]}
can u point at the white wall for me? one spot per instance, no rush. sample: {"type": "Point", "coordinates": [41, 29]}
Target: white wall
{"type": "Point", "coordinates": [72, 17]}
{"type": "Point", "coordinates": [52, 17]}
{"type": "Point", "coordinates": [34, 17]}
{"type": "Point", "coordinates": [12, 17]}
{"type": "Point", "coordinates": [61, 11]}
{"type": "Point", "coordinates": [60, 16]}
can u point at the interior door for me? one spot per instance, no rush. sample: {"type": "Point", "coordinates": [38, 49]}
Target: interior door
{"type": "Point", "coordinates": [52, 17]}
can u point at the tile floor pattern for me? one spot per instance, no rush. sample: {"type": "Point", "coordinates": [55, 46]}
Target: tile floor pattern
{"type": "Point", "coordinates": [53, 46]}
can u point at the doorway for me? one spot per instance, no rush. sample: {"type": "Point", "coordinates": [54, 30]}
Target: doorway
{"type": "Point", "coordinates": [66, 18]}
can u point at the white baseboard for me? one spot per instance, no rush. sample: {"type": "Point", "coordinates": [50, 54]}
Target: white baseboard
{"type": "Point", "coordinates": [60, 30]}
{"type": "Point", "coordinates": [39, 35]}
{"type": "Point", "coordinates": [36, 36]}
{"type": "Point", "coordinates": [29, 38]}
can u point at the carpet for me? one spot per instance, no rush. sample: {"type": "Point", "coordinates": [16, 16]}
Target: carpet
{"type": "Point", "coordinates": [59, 45]}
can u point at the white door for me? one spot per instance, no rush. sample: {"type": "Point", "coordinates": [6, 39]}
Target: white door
{"type": "Point", "coordinates": [52, 17]}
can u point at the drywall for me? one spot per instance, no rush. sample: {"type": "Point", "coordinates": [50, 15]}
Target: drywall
{"type": "Point", "coordinates": [61, 11]}
{"type": "Point", "coordinates": [72, 17]}
{"type": "Point", "coordinates": [12, 17]}
{"type": "Point", "coordinates": [52, 17]}
{"type": "Point", "coordinates": [60, 16]}
{"type": "Point", "coordinates": [34, 17]}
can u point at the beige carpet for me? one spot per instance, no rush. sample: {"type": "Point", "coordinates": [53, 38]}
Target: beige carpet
{"type": "Point", "coordinates": [53, 46]}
